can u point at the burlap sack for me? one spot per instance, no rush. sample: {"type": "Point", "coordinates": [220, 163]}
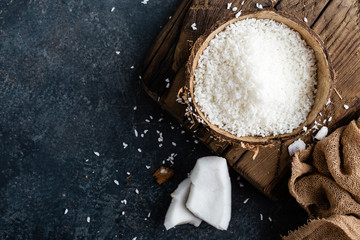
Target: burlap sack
{"type": "Point", "coordinates": [325, 181]}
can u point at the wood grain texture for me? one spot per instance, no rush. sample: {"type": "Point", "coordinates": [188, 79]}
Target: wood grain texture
{"type": "Point", "coordinates": [336, 22]}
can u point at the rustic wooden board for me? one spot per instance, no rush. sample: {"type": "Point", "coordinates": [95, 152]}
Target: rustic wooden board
{"type": "Point", "coordinates": [337, 23]}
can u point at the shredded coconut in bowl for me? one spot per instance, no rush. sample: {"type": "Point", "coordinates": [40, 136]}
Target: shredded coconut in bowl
{"type": "Point", "coordinates": [256, 78]}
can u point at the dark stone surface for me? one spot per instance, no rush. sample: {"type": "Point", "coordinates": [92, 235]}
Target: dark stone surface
{"type": "Point", "coordinates": [65, 93]}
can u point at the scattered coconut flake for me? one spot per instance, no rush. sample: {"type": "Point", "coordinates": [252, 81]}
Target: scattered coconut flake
{"type": "Point", "coordinates": [147, 166]}
{"type": "Point", "coordinates": [88, 219]}
{"type": "Point", "coordinates": [330, 118]}
{"type": "Point", "coordinates": [315, 127]}
{"type": "Point", "coordinates": [238, 178]}
{"type": "Point", "coordinates": [151, 117]}
{"type": "Point", "coordinates": [145, 131]}
{"type": "Point", "coordinates": [149, 214]}
{"type": "Point", "coordinates": [170, 17]}
{"type": "Point", "coordinates": [139, 150]}
{"type": "Point", "coordinates": [182, 132]}
{"type": "Point", "coordinates": [86, 160]}
{"type": "Point", "coordinates": [139, 76]}
{"type": "Point", "coordinates": [242, 3]}
{"type": "Point", "coordinates": [193, 26]}
{"type": "Point", "coordinates": [160, 119]}
{"type": "Point", "coordinates": [259, 6]}
{"type": "Point", "coordinates": [261, 217]}
{"type": "Point", "coordinates": [113, 9]}
{"type": "Point", "coordinates": [116, 182]}
{"type": "Point", "coordinates": [346, 106]}
{"type": "Point", "coordinates": [97, 153]}
{"type": "Point", "coordinates": [160, 138]}
{"type": "Point", "coordinates": [234, 9]}
{"type": "Point", "coordinates": [66, 211]}
{"type": "Point", "coordinates": [167, 85]}
{"type": "Point", "coordinates": [322, 133]}
{"type": "Point", "coordinates": [328, 102]}
{"type": "Point", "coordinates": [167, 80]}
{"type": "Point", "coordinates": [137, 191]}
{"type": "Point", "coordinates": [136, 133]}
{"type": "Point", "coordinates": [173, 143]}
{"type": "Point", "coordinates": [238, 14]}
{"type": "Point", "coordinates": [147, 120]}
{"type": "Point", "coordinates": [135, 108]}
{"type": "Point", "coordinates": [117, 52]}
{"type": "Point", "coordinates": [124, 201]}
{"type": "Point", "coordinates": [123, 213]}
{"type": "Point", "coordinates": [228, 6]}
{"type": "Point", "coordinates": [246, 200]}
{"type": "Point", "coordinates": [142, 135]}
{"type": "Point", "coordinates": [304, 129]}
{"type": "Point", "coordinates": [144, 1]}
{"type": "Point", "coordinates": [241, 184]}
{"type": "Point", "coordinates": [296, 146]}
{"type": "Point", "coordinates": [324, 121]}
{"type": "Point", "coordinates": [270, 220]}
{"type": "Point", "coordinates": [160, 145]}
{"type": "Point", "coordinates": [320, 113]}
{"type": "Point", "coordinates": [134, 238]}
{"type": "Point", "coordinates": [128, 173]}
{"type": "Point", "coordinates": [305, 19]}
{"type": "Point", "coordinates": [132, 67]}
{"type": "Point", "coordinates": [196, 141]}
{"type": "Point", "coordinates": [172, 127]}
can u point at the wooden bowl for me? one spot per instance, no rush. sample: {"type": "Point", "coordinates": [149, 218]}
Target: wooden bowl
{"type": "Point", "coordinates": [325, 76]}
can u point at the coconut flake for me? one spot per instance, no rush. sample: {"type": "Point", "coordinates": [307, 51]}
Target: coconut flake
{"type": "Point", "coordinates": [296, 146]}
{"type": "Point", "coordinates": [97, 154]}
{"type": "Point", "coordinates": [88, 219]}
{"type": "Point", "coordinates": [136, 133]}
{"type": "Point", "coordinates": [259, 6]}
{"type": "Point", "coordinates": [305, 19]}
{"type": "Point", "coordinates": [346, 106]}
{"type": "Point", "coordinates": [238, 14]}
{"type": "Point", "coordinates": [116, 182]}
{"type": "Point", "coordinates": [330, 118]}
{"type": "Point", "coordinates": [66, 211]}
{"type": "Point", "coordinates": [193, 26]}
{"type": "Point", "coordinates": [228, 6]}
{"type": "Point", "coordinates": [328, 102]}
{"type": "Point", "coordinates": [234, 9]}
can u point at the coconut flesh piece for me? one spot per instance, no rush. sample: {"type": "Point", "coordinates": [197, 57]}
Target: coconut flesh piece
{"type": "Point", "coordinates": [177, 213]}
{"type": "Point", "coordinates": [296, 146]}
{"type": "Point", "coordinates": [322, 133]}
{"type": "Point", "coordinates": [210, 192]}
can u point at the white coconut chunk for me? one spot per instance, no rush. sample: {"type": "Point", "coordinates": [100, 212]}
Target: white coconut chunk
{"type": "Point", "coordinates": [177, 213]}
{"type": "Point", "coordinates": [322, 133]}
{"type": "Point", "coordinates": [210, 192]}
{"type": "Point", "coordinates": [296, 146]}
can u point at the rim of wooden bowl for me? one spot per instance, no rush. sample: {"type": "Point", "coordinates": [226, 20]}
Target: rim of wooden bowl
{"type": "Point", "coordinates": [325, 74]}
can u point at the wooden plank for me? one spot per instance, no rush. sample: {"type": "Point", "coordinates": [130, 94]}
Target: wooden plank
{"type": "Point", "coordinates": [337, 23]}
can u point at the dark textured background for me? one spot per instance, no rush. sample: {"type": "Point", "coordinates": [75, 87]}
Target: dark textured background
{"type": "Point", "coordinates": [65, 93]}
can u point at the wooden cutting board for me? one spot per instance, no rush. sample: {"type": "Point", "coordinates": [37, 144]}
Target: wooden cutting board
{"type": "Point", "coordinates": [337, 23]}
